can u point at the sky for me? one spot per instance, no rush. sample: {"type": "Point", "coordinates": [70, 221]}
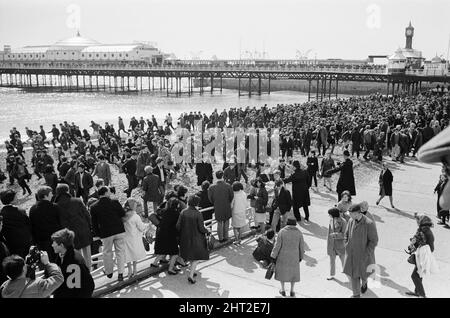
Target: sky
{"type": "Point", "coordinates": [230, 29]}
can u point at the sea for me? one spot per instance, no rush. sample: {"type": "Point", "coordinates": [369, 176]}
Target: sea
{"type": "Point", "coordinates": [21, 108]}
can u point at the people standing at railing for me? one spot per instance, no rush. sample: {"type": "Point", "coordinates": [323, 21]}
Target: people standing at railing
{"type": "Point", "coordinates": [45, 220]}
{"type": "Point", "coordinates": [78, 281]}
{"type": "Point", "coordinates": [239, 206]}
{"type": "Point", "coordinates": [152, 190]}
{"type": "Point", "coordinates": [167, 235]}
{"type": "Point", "coordinates": [74, 215]}
{"type": "Point", "coordinates": [134, 228]}
{"type": "Point", "coordinates": [107, 224]}
{"type": "Point", "coordinates": [221, 194]}
{"type": "Point", "coordinates": [193, 245]}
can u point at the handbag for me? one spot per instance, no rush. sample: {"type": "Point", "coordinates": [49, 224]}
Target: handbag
{"type": "Point", "coordinates": [270, 271]}
{"type": "Point", "coordinates": [146, 244]}
{"type": "Point", "coordinates": [211, 242]}
{"type": "Point", "coordinates": [154, 218]}
{"type": "Point", "coordinates": [412, 259]}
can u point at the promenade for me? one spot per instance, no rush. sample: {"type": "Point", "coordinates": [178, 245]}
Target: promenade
{"type": "Point", "coordinates": [231, 271]}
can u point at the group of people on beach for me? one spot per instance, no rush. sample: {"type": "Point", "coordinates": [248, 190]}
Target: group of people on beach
{"type": "Point", "coordinates": [78, 207]}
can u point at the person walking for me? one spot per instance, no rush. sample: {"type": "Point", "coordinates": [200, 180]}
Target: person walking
{"type": "Point", "coordinates": [239, 206]}
{"type": "Point", "coordinates": [221, 194]}
{"type": "Point", "coordinates": [326, 165]}
{"type": "Point", "coordinates": [300, 191]}
{"type": "Point", "coordinates": [385, 181]}
{"type": "Point", "coordinates": [282, 205]}
{"type": "Point", "coordinates": [423, 238]}
{"type": "Point", "coordinates": [107, 224]}
{"type": "Point", "coordinates": [346, 178]}
{"type": "Point", "coordinates": [193, 245]}
{"type": "Point", "coordinates": [102, 170]}
{"type": "Point", "coordinates": [152, 190]}
{"type": "Point", "coordinates": [313, 166]}
{"type": "Point", "coordinates": [360, 239]}
{"type": "Point", "coordinates": [287, 254]}
{"type": "Point", "coordinates": [83, 183]}
{"type": "Point", "coordinates": [20, 172]}
{"type": "Point", "coordinates": [335, 240]}
{"type": "Point", "coordinates": [261, 199]}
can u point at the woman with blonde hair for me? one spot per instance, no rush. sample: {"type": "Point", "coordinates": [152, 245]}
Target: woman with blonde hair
{"type": "Point", "coordinates": [134, 227]}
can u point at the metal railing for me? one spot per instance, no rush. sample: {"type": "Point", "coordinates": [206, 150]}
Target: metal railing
{"type": "Point", "coordinates": [184, 67]}
{"type": "Point", "coordinates": [97, 259]}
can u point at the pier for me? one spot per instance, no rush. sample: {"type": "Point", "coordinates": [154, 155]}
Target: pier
{"type": "Point", "coordinates": [179, 79]}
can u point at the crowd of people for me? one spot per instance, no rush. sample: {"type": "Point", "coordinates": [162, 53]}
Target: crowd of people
{"type": "Point", "coordinates": [78, 206]}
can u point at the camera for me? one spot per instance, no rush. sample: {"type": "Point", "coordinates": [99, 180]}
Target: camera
{"type": "Point", "coordinates": [32, 261]}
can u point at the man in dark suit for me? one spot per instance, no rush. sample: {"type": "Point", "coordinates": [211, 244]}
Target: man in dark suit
{"type": "Point", "coordinates": [287, 146]}
{"type": "Point", "coordinates": [107, 224]}
{"type": "Point", "coordinates": [16, 225]}
{"type": "Point", "coordinates": [130, 167]}
{"type": "Point", "coordinates": [221, 194]}
{"type": "Point", "coordinates": [83, 183]}
{"type": "Point", "coordinates": [346, 178]}
{"type": "Point", "coordinates": [204, 171]}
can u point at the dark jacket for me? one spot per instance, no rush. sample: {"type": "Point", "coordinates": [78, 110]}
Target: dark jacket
{"type": "Point", "coordinates": [300, 189]}
{"type": "Point", "coordinates": [107, 217]}
{"type": "Point", "coordinates": [283, 201]}
{"type": "Point", "coordinates": [385, 181]}
{"type": "Point", "coordinates": [192, 230]}
{"type": "Point", "coordinates": [346, 179]}
{"type": "Point", "coordinates": [45, 220]}
{"type": "Point", "coordinates": [4, 252]}
{"type": "Point", "coordinates": [151, 188]}
{"type": "Point", "coordinates": [313, 165]}
{"type": "Point", "coordinates": [221, 194]}
{"type": "Point", "coordinates": [72, 265]}
{"type": "Point", "coordinates": [166, 239]}
{"type": "Point", "coordinates": [75, 216]}
{"type": "Point", "coordinates": [88, 182]}
{"type": "Point", "coordinates": [204, 171]}
{"type": "Point", "coordinates": [16, 230]}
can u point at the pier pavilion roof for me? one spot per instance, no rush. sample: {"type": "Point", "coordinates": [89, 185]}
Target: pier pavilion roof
{"type": "Point", "coordinates": [76, 41]}
{"type": "Point", "coordinates": [110, 48]}
{"type": "Point", "coordinates": [30, 49]}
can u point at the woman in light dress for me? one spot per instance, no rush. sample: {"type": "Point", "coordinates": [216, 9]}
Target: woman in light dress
{"type": "Point", "coordinates": [134, 228]}
{"type": "Point", "coordinates": [239, 206]}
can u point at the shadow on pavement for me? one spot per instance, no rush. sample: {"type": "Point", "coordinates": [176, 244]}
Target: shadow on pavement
{"type": "Point", "coordinates": [316, 229]}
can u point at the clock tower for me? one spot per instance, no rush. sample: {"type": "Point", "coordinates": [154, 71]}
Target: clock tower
{"type": "Point", "coordinates": [409, 33]}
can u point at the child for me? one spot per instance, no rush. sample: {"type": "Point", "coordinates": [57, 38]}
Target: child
{"type": "Point", "coordinates": [264, 248]}
{"type": "Point", "coordinates": [134, 227]}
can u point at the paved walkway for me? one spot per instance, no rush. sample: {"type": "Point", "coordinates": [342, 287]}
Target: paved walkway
{"type": "Point", "coordinates": [232, 272]}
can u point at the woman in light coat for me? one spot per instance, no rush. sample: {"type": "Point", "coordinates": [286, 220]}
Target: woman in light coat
{"type": "Point", "coordinates": [335, 239]}
{"type": "Point", "coordinates": [134, 227]}
{"type": "Point", "coordinates": [287, 254]}
{"type": "Point", "coordinates": [239, 205]}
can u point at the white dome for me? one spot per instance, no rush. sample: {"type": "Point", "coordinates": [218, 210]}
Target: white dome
{"type": "Point", "coordinates": [436, 59]}
{"type": "Point", "coordinates": [398, 56]}
{"type": "Point", "coordinates": [76, 41]}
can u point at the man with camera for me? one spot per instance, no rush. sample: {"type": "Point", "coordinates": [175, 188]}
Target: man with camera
{"type": "Point", "coordinates": [23, 284]}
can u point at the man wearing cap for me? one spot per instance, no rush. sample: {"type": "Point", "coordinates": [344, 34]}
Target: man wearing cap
{"type": "Point", "coordinates": [360, 239]}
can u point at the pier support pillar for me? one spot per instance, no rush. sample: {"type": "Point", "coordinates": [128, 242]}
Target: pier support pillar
{"type": "Point", "coordinates": [309, 90]}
